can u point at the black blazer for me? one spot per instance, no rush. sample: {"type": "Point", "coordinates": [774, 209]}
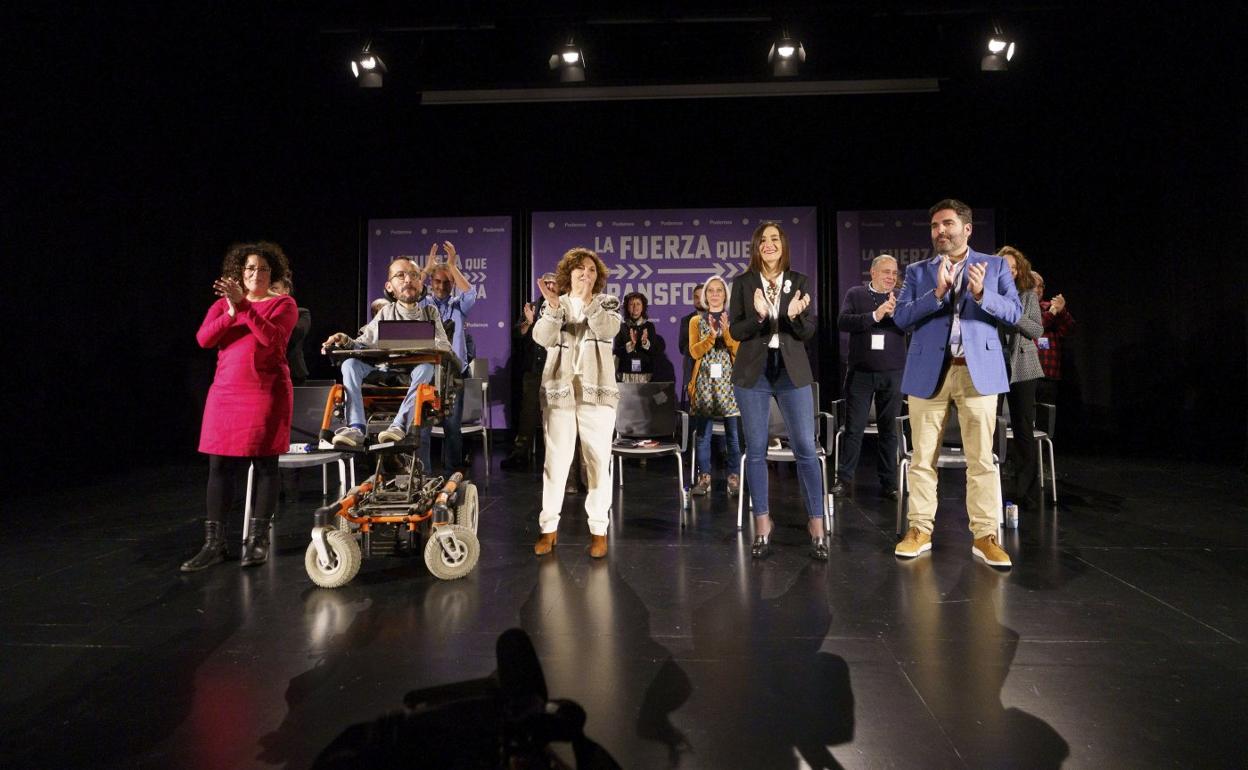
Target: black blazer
{"type": "Point", "coordinates": [753, 334]}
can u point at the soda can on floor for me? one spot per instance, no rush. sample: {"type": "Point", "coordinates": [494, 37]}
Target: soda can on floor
{"type": "Point", "coordinates": [1011, 515]}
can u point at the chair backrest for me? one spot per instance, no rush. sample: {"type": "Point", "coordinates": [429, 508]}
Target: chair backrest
{"type": "Point", "coordinates": [479, 368]}
{"type": "Point", "coordinates": [309, 410]}
{"type": "Point", "coordinates": [646, 409]}
{"type": "Point", "coordinates": [474, 400]}
{"type": "Point", "coordinates": [775, 418]}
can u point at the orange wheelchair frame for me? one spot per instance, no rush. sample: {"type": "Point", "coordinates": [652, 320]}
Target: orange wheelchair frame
{"type": "Point", "coordinates": [396, 503]}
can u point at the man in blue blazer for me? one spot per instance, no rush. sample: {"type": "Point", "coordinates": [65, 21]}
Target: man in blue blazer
{"type": "Point", "coordinates": [951, 305]}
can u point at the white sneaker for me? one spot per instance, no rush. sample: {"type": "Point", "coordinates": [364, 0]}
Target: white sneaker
{"type": "Point", "coordinates": [348, 436]}
{"type": "Point", "coordinates": [393, 433]}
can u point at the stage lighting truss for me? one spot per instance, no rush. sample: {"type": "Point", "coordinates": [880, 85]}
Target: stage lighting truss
{"type": "Point", "coordinates": [569, 62]}
{"type": "Point", "coordinates": [1000, 51]}
{"type": "Point", "coordinates": [786, 56]}
{"type": "Point", "coordinates": [368, 68]}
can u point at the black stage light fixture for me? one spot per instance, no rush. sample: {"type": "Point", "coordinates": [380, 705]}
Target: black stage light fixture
{"type": "Point", "coordinates": [786, 56]}
{"type": "Point", "coordinates": [368, 67]}
{"type": "Point", "coordinates": [1000, 51]}
{"type": "Point", "coordinates": [569, 61]}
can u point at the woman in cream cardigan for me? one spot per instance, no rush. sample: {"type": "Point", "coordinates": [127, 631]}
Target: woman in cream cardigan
{"type": "Point", "coordinates": [577, 327]}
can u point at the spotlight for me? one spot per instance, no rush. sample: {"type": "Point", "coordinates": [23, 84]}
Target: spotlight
{"type": "Point", "coordinates": [368, 67]}
{"type": "Point", "coordinates": [1000, 51]}
{"type": "Point", "coordinates": [570, 62]}
{"type": "Point", "coordinates": [786, 56]}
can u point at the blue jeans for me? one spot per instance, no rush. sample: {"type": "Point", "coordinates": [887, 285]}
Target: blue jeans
{"type": "Point", "coordinates": [452, 438]}
{"type": "Point", "coordinates": [732, 449]}
{"type": "Point", "coordinates": [353, 373]}
{"type": "Point", "coordinates": [797, 407]}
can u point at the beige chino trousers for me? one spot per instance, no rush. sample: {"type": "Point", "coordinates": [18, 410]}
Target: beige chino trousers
{"type": "Point", "coordinates": [977, 418]}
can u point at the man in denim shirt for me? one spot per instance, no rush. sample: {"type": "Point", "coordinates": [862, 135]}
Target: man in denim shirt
{"type": "Point", "coordinates": [453, 297]}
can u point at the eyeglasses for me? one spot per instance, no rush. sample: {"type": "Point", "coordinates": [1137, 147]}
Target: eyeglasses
{"type": "Point", "coordinates": [257, 269]}
{"type": "Point", "coordinates": [411, 276]}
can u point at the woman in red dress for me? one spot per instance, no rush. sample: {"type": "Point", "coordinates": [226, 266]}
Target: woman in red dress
{"type": "Point", "coordinates": [247, 415]}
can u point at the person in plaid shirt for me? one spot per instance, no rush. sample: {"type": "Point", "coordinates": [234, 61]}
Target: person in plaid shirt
{"type": "Point", "coordinates": [1058, 324]}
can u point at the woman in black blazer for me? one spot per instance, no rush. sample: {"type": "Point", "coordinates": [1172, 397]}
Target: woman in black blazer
{"type": "Point", "coordinates": [770, 315]}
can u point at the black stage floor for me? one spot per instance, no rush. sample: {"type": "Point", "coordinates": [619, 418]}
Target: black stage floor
{"type": "Point", "coordinates": [1116, 641]}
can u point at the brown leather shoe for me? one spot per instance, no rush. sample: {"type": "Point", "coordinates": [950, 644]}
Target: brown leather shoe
{"type": "Point", "coordinates": [546, 543]}
{"type": "Point", "coordinates": [597, 546]}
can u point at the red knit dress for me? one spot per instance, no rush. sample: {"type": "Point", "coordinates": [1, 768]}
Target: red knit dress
{"type": "Point", "coordinates": [249, 404]}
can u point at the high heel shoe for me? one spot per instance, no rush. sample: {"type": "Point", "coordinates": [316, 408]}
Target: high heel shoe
{"type": "Point", "coordinates": [762, 546]}
{"type": "Point", "coordinates": [819, 548]}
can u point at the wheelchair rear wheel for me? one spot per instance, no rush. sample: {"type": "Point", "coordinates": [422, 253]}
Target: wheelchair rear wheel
{"type": "Point", "coordinates": [468, 508]}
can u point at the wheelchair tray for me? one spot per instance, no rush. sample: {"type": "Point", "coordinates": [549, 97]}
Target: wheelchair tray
{"type": "Point", "coordinates": [421, 354]}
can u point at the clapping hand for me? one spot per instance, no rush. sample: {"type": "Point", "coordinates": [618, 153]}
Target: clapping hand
{"type": "Point", "coordinates": [1057, 304]}
{"type": "Point", "coordinates": [944, 278]}
{"type": "Point", "coordinates": [645, 337]}
{"type": "Point", "coordinates": [530, 313]}
{"type": "Point", "coordinates": [886, 308]}
{"type": "Point", "coordinates": [723, 324]}
{"type": "Point", "coordinates": [549, 295]}
{"type": "Point", "coordinates": [761, 305]}
{"type": "Point", "coordinates": [798, 304]}
{"type": "Point", "coordinates": [451, 254]}
{"type": "Point", "coordinates": [431, 261]}
{"type": "Point", "coordinates": [975, 279]}
{"type": "Point", "coordinates": [231, 290]}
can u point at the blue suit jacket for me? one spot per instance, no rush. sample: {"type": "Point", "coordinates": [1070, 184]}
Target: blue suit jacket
{"type": "Point", "coordinates": [930, 321]}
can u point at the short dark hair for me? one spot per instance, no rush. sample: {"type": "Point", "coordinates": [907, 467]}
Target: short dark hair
{"type": "Point", "coordinates": [645, 303]}
{"type": "Point", "coordinates": [288, 281]}
{"type": "Point", "coordinates": [271, 253]}
{"type": "Point", "coordinates": [961, 209]}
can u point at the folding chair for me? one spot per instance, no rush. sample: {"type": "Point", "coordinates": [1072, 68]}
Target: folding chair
{"type": "Point", "coordinates": [647, 413]}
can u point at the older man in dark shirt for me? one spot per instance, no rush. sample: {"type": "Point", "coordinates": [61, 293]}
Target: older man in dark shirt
{"type": "Point", "coordinates": [877, 356]}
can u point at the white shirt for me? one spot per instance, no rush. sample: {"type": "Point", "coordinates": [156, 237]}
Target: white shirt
{"type": "Point", "coordinates": [774, 342]}
{"type": "Point", "coordinates": [576, 326]}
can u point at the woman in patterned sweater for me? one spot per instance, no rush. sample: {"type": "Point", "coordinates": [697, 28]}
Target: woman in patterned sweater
{"type": "Point", "coordinates": [710, 386]}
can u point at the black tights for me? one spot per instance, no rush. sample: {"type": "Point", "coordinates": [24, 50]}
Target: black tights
{"type": "Point", "coordinates": [223, 475]}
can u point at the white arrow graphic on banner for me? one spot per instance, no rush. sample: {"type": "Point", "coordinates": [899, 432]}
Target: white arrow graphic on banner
{"type": "Point", "coordinates": [736, 268]}
{"type": "Point", "coordinates": [616, 272]}
{"type": "Point", "coordinates": [718, 269]}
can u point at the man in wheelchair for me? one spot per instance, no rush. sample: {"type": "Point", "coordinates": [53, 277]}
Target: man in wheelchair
{"type": "Point", "coordinates": [405, 283]}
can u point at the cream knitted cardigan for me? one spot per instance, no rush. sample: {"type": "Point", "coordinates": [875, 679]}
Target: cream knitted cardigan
{"type": "Point", "coordinates": [594, 334]}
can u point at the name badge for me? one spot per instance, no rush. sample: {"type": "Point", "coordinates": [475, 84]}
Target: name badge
{"type": "Point", "coordinates": [877, 341]}
{"type": "Point", "coordinates": [636, 363]}
{"type": "Point", "coordinates": [1043, 343]}
{"type": "Point", "coordinates": [717, 371]}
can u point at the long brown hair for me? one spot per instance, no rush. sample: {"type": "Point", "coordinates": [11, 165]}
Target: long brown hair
{"type": "Point", "coordinates": [756, 259]}
{"type": "Point", "coordinates": [1026, 280]}
{"type": "Point", "coordinates": [572, 260]}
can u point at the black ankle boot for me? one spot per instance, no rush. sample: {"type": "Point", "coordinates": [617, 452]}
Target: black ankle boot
{"type": "Point", "coordinates": [256, 549]}
{"type": "Point", "coordinates": [213, 551]}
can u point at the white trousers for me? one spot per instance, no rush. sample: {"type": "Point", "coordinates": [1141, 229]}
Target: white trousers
{"type": "Point", "coordinates": [594, 423]}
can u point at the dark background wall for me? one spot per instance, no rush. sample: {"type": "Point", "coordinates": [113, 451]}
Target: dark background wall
{"type": "Point", "coordinates": [1114, 151]}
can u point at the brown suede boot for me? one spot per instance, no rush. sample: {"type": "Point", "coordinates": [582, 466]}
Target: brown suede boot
{"type": "Point", "coordinates": [597, 546]}
{"type": "Point", "coordinates": [546, 543]}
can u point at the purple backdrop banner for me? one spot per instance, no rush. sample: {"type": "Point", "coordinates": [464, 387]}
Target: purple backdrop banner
{"type": "Point", "coordinates": [861, 236]}
{"type": "Point", "coordinates": [666, 253]}
{"type": "Point", "coordinates": [484, 248]}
